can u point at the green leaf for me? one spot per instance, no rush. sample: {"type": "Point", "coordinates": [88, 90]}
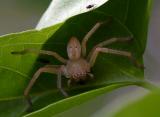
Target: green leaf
{"type": "Point", "coordinates": [60, 10]}
{"type": "Point", "coordinates": [148, 106]}
{"type": "Point", "coordinates": [17, 70]}
{"type": "Point", "coordinates": [58, 107]}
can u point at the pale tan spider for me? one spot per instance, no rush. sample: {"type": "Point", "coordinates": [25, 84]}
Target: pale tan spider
{"type": "Point", "coordinates": [79, 65]}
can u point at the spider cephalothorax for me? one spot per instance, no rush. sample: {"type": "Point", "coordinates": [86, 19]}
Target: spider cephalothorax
{"type": "Point", "coordinates": [77, 68]}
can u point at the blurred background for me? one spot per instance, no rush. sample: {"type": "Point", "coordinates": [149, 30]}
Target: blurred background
{"type": "Point", "coordinates": [20, 15]}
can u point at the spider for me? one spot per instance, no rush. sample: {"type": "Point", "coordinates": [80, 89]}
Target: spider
{"type": "Point", "coordinates": [78, 67]}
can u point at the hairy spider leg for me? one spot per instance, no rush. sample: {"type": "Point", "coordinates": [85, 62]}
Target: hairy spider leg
{"type": "Point", "coordinates": [108, 42]}
{"type": "Point", "coordinates": [89, 34]}
{"type": "Point", "coordinates": [49, 69]}
{"type": "Point", "coordinates": [112, 51]}
{"type": "Point", "coordinates": [51, 53]}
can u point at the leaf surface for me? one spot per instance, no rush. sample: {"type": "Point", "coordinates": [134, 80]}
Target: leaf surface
{"type": "Point", "coordinates": [148, 106]}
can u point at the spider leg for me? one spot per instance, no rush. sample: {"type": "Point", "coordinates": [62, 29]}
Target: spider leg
{"type": "Point", "coordinates": [59, 84]}
{"type": "Point", "coordinates": [112, 51]}
{"type": "Point", "coordinates": [49, 69]}
{"type": "Point", "coordinates": [69, 82]}
{"type": "Point", "coordinates": [88, 35]}
{"type": "Point", "coordinates": [51, 53]}
{"type": "Point", "coordinates": [108, 42]}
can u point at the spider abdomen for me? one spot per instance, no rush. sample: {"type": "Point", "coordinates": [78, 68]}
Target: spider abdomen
{"type": "Point", "coordinates": [78, 69]}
